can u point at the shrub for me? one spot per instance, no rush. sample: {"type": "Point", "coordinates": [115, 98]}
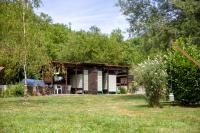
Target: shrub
{"type": "Point", "coordinates": [122, 90]}
{"type": "Point", "coordinates": [134, 87]}
{"type": "Point", "coordinates": [184, 76]}
{"type": "Point", "coordinates": [153, 76]}
{"type": "Point", "coordinates": [14, 90]}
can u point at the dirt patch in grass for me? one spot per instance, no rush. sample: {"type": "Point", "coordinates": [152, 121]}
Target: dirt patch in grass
{"type": "Point", "coordinates": [127, 112]}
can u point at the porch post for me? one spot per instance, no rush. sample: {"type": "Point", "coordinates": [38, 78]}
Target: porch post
{"type": "Point", "coordinates": [127, 80]}
{"type": "Point", "coordinates": [66, 88]}
{"type": "Point", "coordinates": [83, 80]}
{"type": "Point", "coordinates": [76, 78]}
{"type": "Point", "coordinates": [108, 80]}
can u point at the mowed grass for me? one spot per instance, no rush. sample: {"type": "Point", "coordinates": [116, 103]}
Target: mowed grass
{"type": "Point", "coordinates": [94, 113]}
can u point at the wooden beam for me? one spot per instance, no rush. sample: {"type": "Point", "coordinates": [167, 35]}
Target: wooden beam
{"type": "Point", "coordinates": [127, 81]}
{"type": "Point", "coordinates": [66, 88]}
{"type": "Point", "coordinates": [76, 79]}
{"type": "Point", "coordinates": [108, 80]}
{"type": "Point", "coordinates": [183, 52]}
{"type": "Point", "coordinates": [122, 75]}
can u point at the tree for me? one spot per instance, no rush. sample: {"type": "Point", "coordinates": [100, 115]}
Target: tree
{"type": "Point", "coordinates": [15, 46]}
{"type": "Point", "coordinates": [144, 15]}
{"type": "Point", "coordinates": [46, 18]}
{"type": "Point", "coordinates": [160, 21]}
{"type": "Point", "coordinates": [25, 3]}
{"type": "Point", "coordinates": [117, 35]}
{"type": "Point", "coordinates": [184, 75]}
{"type": "Point", "coordinates": [188, 23]}
{"type": "Point", "coordinates": [94, 29]}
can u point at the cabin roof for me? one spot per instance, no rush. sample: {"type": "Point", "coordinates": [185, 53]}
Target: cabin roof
{"type": "Point", "coordinates": [90, 64]}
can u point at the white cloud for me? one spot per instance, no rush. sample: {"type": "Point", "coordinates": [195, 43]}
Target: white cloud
{"type": "Point", "coordinates": [85, 13]}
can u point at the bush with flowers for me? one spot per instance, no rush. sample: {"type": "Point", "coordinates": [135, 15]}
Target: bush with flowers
{"type": "Point", "coordinates": [153, 76]}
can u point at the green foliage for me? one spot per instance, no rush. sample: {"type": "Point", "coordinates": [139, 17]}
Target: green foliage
{"type": "Point", "coordinates": [94, 46]}
{"type": "Point", "coordinates": [134, 87]}
{"type": "Point", "coordinates": [14, 48]}
{"type": "Point", "coordinates": [160, 21]}
{"type": "Point", "coordinates": [144, 14]}
{"type": "Point", "coordinates": [152, 74]}
{"type": "Point", "coordinates": [184, 76]}
{"type": "Point", "coordinates": [14, 90]}
{"type": "Point", "coordinates": [139, 50]}
{"type": "Point", "coordinates": [122, 90]}
{"type": "Point", "coordinates": [188, 23]}
{"type": "Point", "coordinates": [95, 30]}
{"type": "Point", "coordinates": [117, 35]}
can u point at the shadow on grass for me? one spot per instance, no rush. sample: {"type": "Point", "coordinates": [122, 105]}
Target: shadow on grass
{"type": "Point", "coordinates": [167, 103]}
{"type": "Point", "coordinates": [141, 106]}
{"type": "Point", "coordinates": [130, 97]}
{"type": "Point", "coordinates": [39, 101]}
{"type": "Point", "coordinates": [20, 100]}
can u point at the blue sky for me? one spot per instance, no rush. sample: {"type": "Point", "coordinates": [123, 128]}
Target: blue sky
{"type": "Point", "coordinates": [85, 13]}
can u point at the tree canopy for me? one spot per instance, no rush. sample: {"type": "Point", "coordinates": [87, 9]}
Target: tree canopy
{"type": "Point", "coordinates": [160, 21]}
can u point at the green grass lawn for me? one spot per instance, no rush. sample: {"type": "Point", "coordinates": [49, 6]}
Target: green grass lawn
{"type": "Point", "coordinates": [94, 113]}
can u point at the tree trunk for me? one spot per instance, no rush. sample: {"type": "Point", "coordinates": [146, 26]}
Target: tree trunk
{"type": "Point", "coordinates": [25, 55]}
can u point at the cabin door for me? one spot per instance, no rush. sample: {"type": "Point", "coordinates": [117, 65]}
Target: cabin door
{"type": "Point", "coordinates": [92, 79]}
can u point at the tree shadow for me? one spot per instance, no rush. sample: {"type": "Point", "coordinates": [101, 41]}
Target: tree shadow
{"type": "Point", "coordinates": [20, 100]}
{"type": "Point", "coordinates": [130, 97]}
{"type": "Point", "coordinates": [167, 103]}
{"type": "Point", "coordinates": [142, 106]}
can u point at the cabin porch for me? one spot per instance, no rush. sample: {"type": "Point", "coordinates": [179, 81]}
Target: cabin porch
{"type": "Point", "coordinates": [89, 78]}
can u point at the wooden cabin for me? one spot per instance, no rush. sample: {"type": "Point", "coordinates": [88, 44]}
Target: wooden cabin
{"type": "Point", "coordinates": [89, 78]}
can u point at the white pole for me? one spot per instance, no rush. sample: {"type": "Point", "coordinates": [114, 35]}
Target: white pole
{"type": "Point", "coordinates": [24, 2]}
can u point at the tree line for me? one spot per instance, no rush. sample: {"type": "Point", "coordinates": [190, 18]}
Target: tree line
{"type": "Point", "coordinates": [46, 41]}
